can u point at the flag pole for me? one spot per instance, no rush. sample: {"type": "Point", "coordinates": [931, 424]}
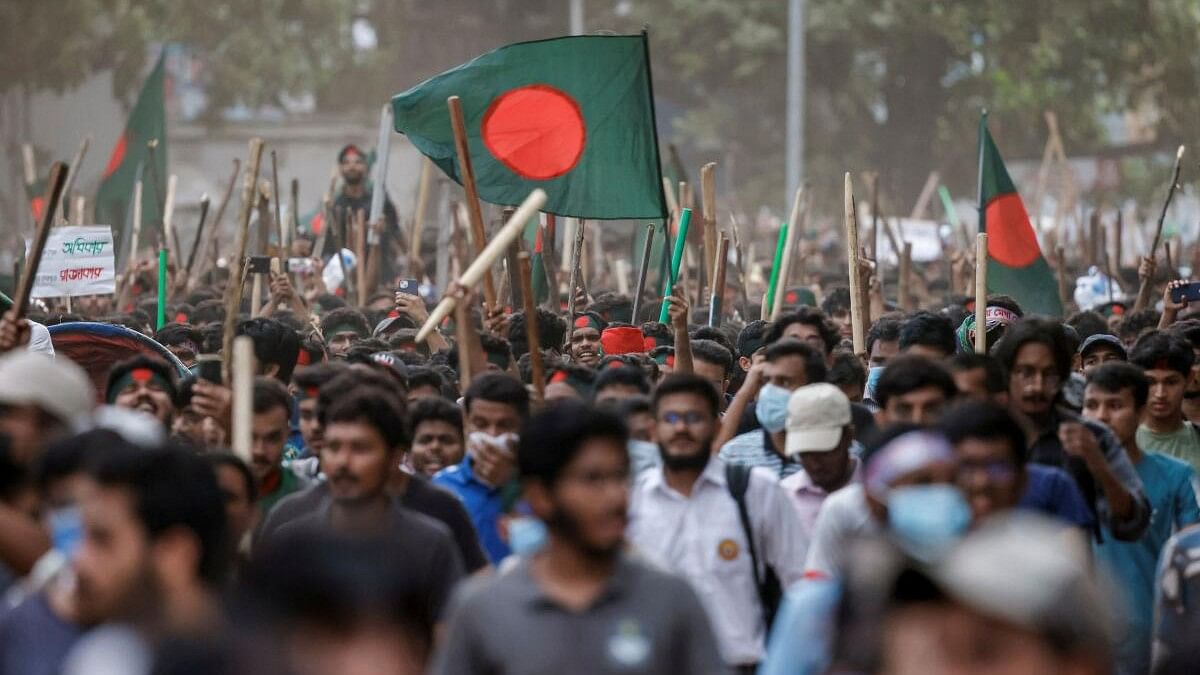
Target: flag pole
{"type": "Point", "coordinates": [789, 250]}
{"type": "Point", "coordinates": [162, 287]}
{"type": "Point", "coordinates": [467, 172]}
{"type": "Point", "coordinates": [525, 266]}
{"type": "Point", "coordinates": [640, 289]}
{"type": "Point", "coordinates": [981, 263]}
{"type": "Point", "coordinates": [1143, 296]}
{"type": "Point", "coordinates": [237, 266]}
{"type": "Point", "coordinates": [58, 177]}
{"type": "Point", "coordinates": [576, 269]}
{"type": "Point", "coordinates": [851, 225]}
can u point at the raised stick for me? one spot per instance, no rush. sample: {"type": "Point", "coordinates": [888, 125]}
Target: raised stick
{"type": "Point", "coordinates": [187, 272]}
{"type": "Point", "coordinates": [773, 290]}
{"type": "Point", "coordinates": [850, 221]}
{"type": "Point", "coordinates": [483, 262]}
{"type": "Point", "coordinates": [58, 177]}
{"type": "Point", "coordinates": [169, 240]}
{"type": "Point", "coordinates": [789, 251]}
{"type": "Point", "coordinates": [922, 205]}
{"type": "Point", "coordinates": [717, 296]}
{"type": "Point", "coordinates": [360, 252]}
{"type": "Point", "coordinates": [708, 210]}
{"type": "Point", "coordinates": [237, 266]}
{"type": "Point", "coordinates": [576, 271]}
{"type": "Point", "coordinates": [905, 285]}
{"type": "Point", "coordinates": [293, 226]}
{"type": "Point", "coordinates": [418, 223]}
{"type": "Point", "coordinates": [73, 172]}
{"type": "Point", "coordinates": [685, 218]}
{"type": "Point", "coordinates": [215, 230]}
{"type": "Point", "coordinates": [243, 395]}
{"type": "Point", "coordinates": [1143, 296]}
{"type": "Point", "coordinates": [981, 263]}
{"type": "Point", "coordinates": [531, 326]}
{"type": "Point", "coordinates": [383, 151]}
{"type": "Point", "coordinates": [468, 180]}
{"type": "Point", "coordinates": [640, 288]}
{"type": "Point", "coordinates": [276, 192]}
{"type": "Point", "coordinates": [137, 225]}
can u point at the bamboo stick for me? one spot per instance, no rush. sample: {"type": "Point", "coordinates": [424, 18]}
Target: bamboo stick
{"type": "Point", "coordinates": [57, 179]}
{"type": "Point", "coordinates": [717, 296]}
{"type": "Point", "coordinates": [981, 263]}
{"type": "Point", "coordinates": [237, 277]}
{"type": "Point", "coordinates": [242, 382]}
{"type": "Point", "coordinates": [851, 226]}
{"type": "Point", "coordinates": [468, 181]}
{"type": "Point", "coordinates": [538, 374]}
{"type": "Point", "coordinates": [789, 251]}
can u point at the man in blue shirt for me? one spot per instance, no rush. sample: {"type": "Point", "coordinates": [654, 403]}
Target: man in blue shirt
{"type": "Point", "coordinates": [1116, 395]}
{"type": "Point", "coordinates": [495, 406]}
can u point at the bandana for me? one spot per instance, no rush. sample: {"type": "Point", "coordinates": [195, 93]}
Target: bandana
{"type": "Point", "coordinates": [995, 317]}
{"type": "Point", "coordinates": [140, 376]}
{"type": "Point", "coordinates": [303, 358]}
{"type": "Point", "coordinates": [343, 328]}
{"type": "Point", "coordinates": [588, 320]}
{"type": "Point", "coordinates": [905, 454]}
{"type": "Point", "coordinates": [306, 393]}
{"type": "Point", "coordinates": [623, 340]}
{"type": "Point", "coordinates": [583, 388]}
{"type": "Point", "coordinates": [181, 318]}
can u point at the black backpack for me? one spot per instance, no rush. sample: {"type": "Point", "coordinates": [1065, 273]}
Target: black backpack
{"type": "Point", "coordinates": [770, 591]}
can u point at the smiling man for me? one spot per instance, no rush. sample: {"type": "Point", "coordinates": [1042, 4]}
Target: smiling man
{"type": "Point", "coordinates": [584, 343]}
{"type": "Point", "coordinates": [1167, 360]}
{"type": "Point", "coordinates": [145, 384]}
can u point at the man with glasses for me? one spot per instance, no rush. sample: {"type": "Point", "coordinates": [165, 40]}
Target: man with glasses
{"type": "Point", "coordinates": [1037, 356]}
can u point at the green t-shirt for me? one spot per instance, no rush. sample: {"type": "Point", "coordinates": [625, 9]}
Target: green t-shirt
{"type": "Point", "coordinates": [1183, 443]}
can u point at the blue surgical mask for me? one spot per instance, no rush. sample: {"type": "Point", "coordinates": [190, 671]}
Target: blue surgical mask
{"type": "Point", "coordinates": [526, 535]}
{"type": "Point", "coordinates": [66, 530]}
{"type": "Point", "coordinates": [927, 519]}
{"type": "Point", "coordinates": [873, 376]}
{"type": "Point", "coordinates": [771, 407]}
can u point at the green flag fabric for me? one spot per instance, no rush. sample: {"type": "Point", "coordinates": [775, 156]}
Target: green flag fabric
{"type": "Point", "coordinates": [571, 115]}
{"type": "Point", "coordinates": [147, 121]}
{"type": "Point", "coordinates": [1016, 266]}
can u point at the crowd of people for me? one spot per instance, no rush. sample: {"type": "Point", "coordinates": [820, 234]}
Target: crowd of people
{"type": "Point", "coordinates": [672, 498]}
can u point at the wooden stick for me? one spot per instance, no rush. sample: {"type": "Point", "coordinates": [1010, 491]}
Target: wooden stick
{"type": "Point", "coordinates": [494, 249]}
{"type": "Point", "coordinates": [872, 178]}
{"type": "Point", "coordinates": [742, 267]}
{"type": "Point", "coordinates": [1095, 241]}
{"type": "Point", "coordinates": [263, 205]}
{"type": "Point", "coordinates": [576, 253]}
{"type": "Point", "coordinates": [77, 210]}
{"type": "Point", "coordinates": [237, 276]}
{"type": "Point", "coordinates": [137, 225]}
{"type": "Point", "coordinates": [717, 296]}
{"type": "Point", "coordinates": [851, 225]}
{"type": "Point", "coordinates": [981, 263]}
{"type": "Point", "coordinates": [549, 263]}
{"type": "Point", "coordinates": [58, 177]}
{"type": "Point", "coordinates": [293, 226]}
{"type": "Point", "coordinates": [515, 299]}
{"type": "Point", "coordinates": [73, 171]}
{"type": "Point", "coordinates": [276, 193]}
{"type": "Point", "coordinates": [187, 272]}
{"type": "Point", "coordinates": [640, 288]}
{"type": "Point", "coordinates": [905, 285]}
{"type": "Point", "coordinates": [215, 231]}
{"type": "Point", "coordinates": [360, 253]}
{"type": "Point", "coordinates": [468, 181]}
{"type": "Point", "coordinates": [921, 208]}
{"type": "Point", "coordinates": [242, 383]}
{"type": "Point", "coordinates": [1060, 261]}
{"type": "Point", "coordinates": [255, 294]}
{"type": "Point", "coordinates": [29, 163]}
{"type": "Point", "coordinates": [708, 210]}
{"type": "Point", "coordinates": [525, 269]}
{"type": "Point", "coordinates": [1143, 296]}
{"type": "Point", "coordinates": [789, 249]}
{"type": "Point", "coordinates": [1120, 238]}
{"type": "Point", "coordinates": [418, 223]}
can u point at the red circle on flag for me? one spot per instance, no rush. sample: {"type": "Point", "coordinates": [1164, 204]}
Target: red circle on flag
{"type": "Point", "coordinates": [1011, 240]}
{"type": "Point", "coordinates": [535, 130]}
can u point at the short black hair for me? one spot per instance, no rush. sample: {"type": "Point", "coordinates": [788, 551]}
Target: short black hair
{"type": "Point", "coordinates": [348, 382]}
{"type": "Point", "coordinates": [836, 301]}
{"type": "Point", "coordinates": [984, 421]}
{"type": "Point", "coordinates": [634, 405]}
{"type": "Point", "coordinates": [208, 311]}
{"type": "Point", "coordinates": [621, 375]}
{"type": "Point", "coordinates": [314, 376]}
{"type": "Point", "coordinates": [710, 351]}
{"type": "Point", "coordinates": [1189, 329]}
{"type": "Point", "coordinates": [269, 394]}
{"type": "Point", "coordinates": [928, 330]}
{"type": "Point", "coordinates": [552, 439]}
{"type": "Point", "coordinates": [173, 487]}
{"type": "Point", "coordinates": [75, 454]}
{"type": "Point", "coordinates": [751, 338]}
{"type": "Point", "coordinates": [1114, 376]}
{"type": "Point", "coordinates": [1039, 330]}
{"type": "Point", "coordinates": [274, 344]}
{"type": "Point", "coordinates": [1088, 323]}
{"type": "Point", "coordinates": [1134, 324]}
{"type": "Point", "coordinates": [345, 315]}
{"type": "Point", "coordinates": [435, 408]}
{"type": "Point", "coordinates": [687, 383]}
{"type": "Point", "coordinates": [219, 459]}
{"type": "Point", "coordinates": [613, 306]}
{"type": "Point", "coordinates": [376, 408]}
{"type": "Point", "coordinates": [808, 316]}
{"type": "Point", "coordinates": [909, 373]}
{"type": "Point", "coordinates": [814, 362]}
{"type": "Point", "coordinates": [1163, 348]}
{"type": "Point", "coordinates": [552, 331]}
{"type": "Point", "coordinates": [716, 335]}
{"type": "Point", "coordinates": [498, 388]}
{"type": "Point", "coordinates": [886, 330]}
{"type": "Point", "coordinates": [995, 379]}
{"type": "Point", "coordinates": [847, 370]}
{"type": "Point", "coordinates": [424, 376]}
{"type": "Point", "coordinates": [178, 333]}
{"type": "Point", "coordinates": [152, 363]}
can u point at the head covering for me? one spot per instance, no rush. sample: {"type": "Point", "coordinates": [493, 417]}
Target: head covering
{"type": "Point", "coordinates": [997, 318]}
{"type": "Point", "coordinates": [1103, 339]}
{"type": "Point", "coordinates": [349, 148]}
{"type": "Point", "coordinates": [799, 295]}
{"type": "Point", "coordinates": [139, 369]}
{"type": "Point", "coordinates": [664, 356]}
{"type": "Point", "coordinates": [904, 454]}
{"type": "Point", "coordinates": [57, 386]}
{"type": "Point", "coordinates": [588, 320]}
{"type": "Point", "coordinates": [817, 414]}
{"type": "Point", "coordinates": [623, 340]}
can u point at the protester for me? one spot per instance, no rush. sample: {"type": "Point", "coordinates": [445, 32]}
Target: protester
{"type": "Point", "coordinates": [1167, 360]}
{"type": "Point", "coordinates": [145, 384]}
{"type": "Point", "coordinates": [912, 390]}
{"type": "Point", "coordinates": [1096, 350]}
{"type": "Point", "coordinates": [979, 377]}
{"type": "Point", "coordinates": [437, 435]}
{"type": "Point", "coordinates": [618, 384]}
{"type": "Point", "coordinates": [269, 433]}
{"type": "Point", "coordinates": [808, 325]}
{"type": "Point", "coordinates": [584, 339]}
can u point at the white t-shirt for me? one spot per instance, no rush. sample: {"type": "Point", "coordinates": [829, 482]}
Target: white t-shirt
{"type": "Point", "coordinates": [843, 517]}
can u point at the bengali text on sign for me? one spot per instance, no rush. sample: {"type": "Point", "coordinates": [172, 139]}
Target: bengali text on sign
{"type": "Point", "coordinates": [77, 260]}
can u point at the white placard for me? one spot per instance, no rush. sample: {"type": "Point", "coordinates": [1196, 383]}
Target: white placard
{"type": "Point", "coordinates": [77, 260]}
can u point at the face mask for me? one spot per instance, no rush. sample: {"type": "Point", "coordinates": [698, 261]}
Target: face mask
{"type": "Point", "coordinates": [526, 535]}
{"type": "Point", "coordinates": [927, 519]}
{"type": "Point", "coordinates": [771, 407]}
{"type": "Point", "coordinates": [873, 376]}
{"type": "Point", "coordinates": [66, 530]}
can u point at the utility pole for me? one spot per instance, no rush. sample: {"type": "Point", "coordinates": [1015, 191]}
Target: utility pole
{"type": "Point", "coordinates": [795, 98]}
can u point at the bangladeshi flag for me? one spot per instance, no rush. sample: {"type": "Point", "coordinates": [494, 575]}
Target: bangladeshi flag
{"type": "Point", "coordinates": [571, 115]}
{"type": "Point", "coordinates": [1015, 263]}
{"type": "Point", "coordinates": [147, 121]}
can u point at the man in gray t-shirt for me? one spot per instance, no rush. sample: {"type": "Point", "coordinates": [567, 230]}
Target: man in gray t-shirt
{"type": "Point", "coordinates": [579, 604]}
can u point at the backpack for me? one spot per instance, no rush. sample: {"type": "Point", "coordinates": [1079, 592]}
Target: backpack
{"type": "Point", "coordinates": [770, 591]}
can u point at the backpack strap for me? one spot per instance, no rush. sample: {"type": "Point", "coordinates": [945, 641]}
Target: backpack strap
{"type": "Point", "coordinates": [738, 478]}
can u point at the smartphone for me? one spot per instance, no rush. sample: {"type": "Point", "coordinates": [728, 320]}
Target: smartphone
{"type": "Point", "coordinates": [409, 287]}
{"type": "Point", "coordinates": [1189, 292]}
{"type": "Point", "coordinates": [208, 367]}
{"type": "Point", "coordinates": [260, 264]}
{"type": "Point", "coordinates": [299, 265]}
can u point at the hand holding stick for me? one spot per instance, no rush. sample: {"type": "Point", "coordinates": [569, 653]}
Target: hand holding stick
{"type": "Point", "coordinates": [1143, 296]}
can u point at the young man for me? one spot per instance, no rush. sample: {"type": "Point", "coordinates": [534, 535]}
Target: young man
{"type": "Point", "coordinates": [618, 382]}
{"type": "Point", "coordinates": [683, 516]}
{"type": "Point", "coordinates": [1099, 349]}
{"type": "Point", "coordinates": [912, 390]}
{"type": "Point", "coordinates": [437, 435]}
{"type": "Point", "coordinates": [808, 325]}
{"type": "Point", "coordinates": [584, 345]}
{"type": "Point", "coordinates": [790, 364]}
{"type": "Point", "coordinates": [495, 407]}
{"type": "Point", "coordinates": [929, 335]}
{"type": "Point", "coordinates": [269, 433]}
{"type": "Point", "coordinates": [1117, 394]}
{"type": "Point", "coordinates": [979, 377]}
{"type": "Point", "coordinates": [883, 342]}
{"type": "Point", "coordinates": [751, 344]}
{"type": "Point", "coordinates": [145, 384]}
{"type": "Point", "coordinates": [1167, 360]}
{"type": "Point", "coordinates": [1037, 357]}
{"type": "Point", "coordinates": [819, 437]}
{"type": "Point", "coordinates": [714, 363]}
{"type": "Point", "coordinates": [585, 599]}
{"type": "Point", "coordinates": [276, 347]}
{"type": "Point", "coordinates": [341, 328]}
{"type": "Point", "coordinates": [306, 386]}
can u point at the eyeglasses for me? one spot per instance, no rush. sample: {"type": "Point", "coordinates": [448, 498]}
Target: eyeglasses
{"type": "Point", "coordinates": [998, 471]}
{"type": "Point", "coordinates": [689, 418]}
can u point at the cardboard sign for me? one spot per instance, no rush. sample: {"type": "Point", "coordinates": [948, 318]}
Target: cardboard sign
{"type": "Point", "coordinates": [78, 260]}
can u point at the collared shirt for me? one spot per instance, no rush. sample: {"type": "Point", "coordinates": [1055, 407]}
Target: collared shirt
{"type": "Point", "coordinates": [754, 448]}
{"type": "Point", "coordinates": [701, 538]}
{"type": "Point", "coordinates": [643, 621]}
{"type": "Point", "coordinates": [485, 504]}
{"type": "Point", "coordinates": [807, 496]}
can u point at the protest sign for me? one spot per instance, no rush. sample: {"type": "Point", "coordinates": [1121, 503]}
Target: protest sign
{"type": "Point", "coordinates": [78, 260]}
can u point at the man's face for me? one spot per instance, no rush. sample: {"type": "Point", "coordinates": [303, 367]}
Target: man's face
{"type": "Point", "coordinates": [841, 319]}
{"type": "Point", "coordinates": [1115, 409]}
{"type": "Point", "coordinates": [617, 392]}
{"type": "Point", "coordinates": [28, 431]}
{"type": "Point", "coordinates": [685, 427]}
{"type": "Point", "coordinates": [641, 427]}
{"type": "Point", "coordinates": [1166, 394]}
{"type": "Point", "coordinates": [883, 351]}
{"type": "Point", "coordinates": [972, 383]}
{"type": "Point", "coordinates": [149, 396]}
{"type": "Point", "coordinates": [113, 570]}
{"type": "Point", "coordinates": [919, 406]}
{"type": "Point", "coordinates": [585, 346]}
{"type": "Point", "coordinates": [786, 371]}
{"type": "Point", "coordinates": [988, 475]}
{"type": "Point", "coordinates": [590, 498]}
{"type": "Point", "coordinates": [239, 508]}
{"type": "Point", "coordinates": [310, 426]}
{"type": "Point", "coordinates": [829, 470]}
{"type": "Point", "coordinates": [807, 333]}
{"type": "Point", "coordinates": [713, 372]}
{"type": "Point", "coordinates": [1098, 356]}
{"type": "Point", "coordinates": [1194, 381]}
{"type": "Point", "coordinates": [269, 434]}
{"type": "Point", "coordinates": [1034, 380]}
{"type": "Point", "coordinates": [928, 351]}
{"type": "Point", "coordinates": [94, 306]}
{"type": "Point", "coordinates": [492, 417]}
{"type": "Point", "coordinates": [357, 461]}
{"type": "Point", "coordinates": [353, 167]}
{"type": "Point", "coordinates": [189, 425]}
{"type": "Point", "coordinates": [436, 445]}
{"type": "Point", "coordinates": [340, 343]}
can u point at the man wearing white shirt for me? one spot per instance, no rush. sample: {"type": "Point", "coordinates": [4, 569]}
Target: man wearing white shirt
{"type": "Point", "coordinates": [683, 516]}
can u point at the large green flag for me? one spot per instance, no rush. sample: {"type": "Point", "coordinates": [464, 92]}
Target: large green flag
{"type": "Point", "coordinates": [571, 115]}
{"type": "Point", "coordinates": [1015, 263]}
{"type": "Point", "coordinates": [147, 122]}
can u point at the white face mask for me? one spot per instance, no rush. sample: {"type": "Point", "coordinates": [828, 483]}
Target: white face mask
{"type": "Point", "coordinates": [771, 407]}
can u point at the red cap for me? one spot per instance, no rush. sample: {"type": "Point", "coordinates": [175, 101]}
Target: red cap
{"type": "Point", "coordinates": [623, 340]}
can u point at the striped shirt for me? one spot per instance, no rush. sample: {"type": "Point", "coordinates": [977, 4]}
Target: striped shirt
{"type": "Point", "coordinates": [754, 448]}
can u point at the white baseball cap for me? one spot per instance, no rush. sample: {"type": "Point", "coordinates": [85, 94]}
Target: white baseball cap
{"type": "Point", "coordinates": [816, 416]}
{"type": "Point", "coordinates": [56, 385]}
